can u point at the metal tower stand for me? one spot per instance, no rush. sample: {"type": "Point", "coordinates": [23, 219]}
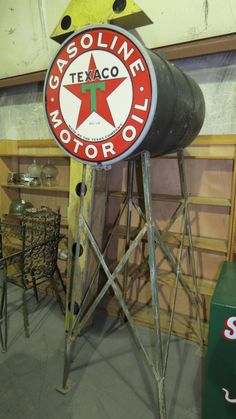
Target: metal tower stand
{"type": "Point", "coordinates": [155, 240]}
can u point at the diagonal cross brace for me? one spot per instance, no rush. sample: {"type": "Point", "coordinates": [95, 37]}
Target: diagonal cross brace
{"type": "Point", "coordinates": [110, 282]}
{"type": "Point", "coordinates": [106, 269]}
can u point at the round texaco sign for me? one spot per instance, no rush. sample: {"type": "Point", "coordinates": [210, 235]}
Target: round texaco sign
{"type": "Point", "coordinates": [100, 95]}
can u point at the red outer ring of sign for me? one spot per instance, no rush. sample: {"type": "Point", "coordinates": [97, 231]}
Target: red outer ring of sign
{"type": "Point", "coordinates": [142, 78]}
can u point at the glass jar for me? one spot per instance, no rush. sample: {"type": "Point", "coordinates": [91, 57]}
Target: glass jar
{"type": "Point", "coordinates": [49, 174]}
{"type": "Point", "coordinates": [34, 171]}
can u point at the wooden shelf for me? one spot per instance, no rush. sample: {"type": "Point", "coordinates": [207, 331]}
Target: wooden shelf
{"type": "Point", "coordinates": [219, 147]}
{"type": "Point", "coordinates": [31, 148]}
{"type": "Point", "coordinates": [199, 242]}
{"type": "Point", "coordinates": [205, 153]}
{"type": "Point", "coordinates": [50, 152]}
{"type": "Point", "coordinates": [210, 152]}
{"type": "Point", "coordinates": [205, 243]}
{"type": "Point", "coordinates": [37, 188]}
{"type": "Point", "coordinates": [32, 152]}
{"type": "Point", "coordinates": [16, 156]}
{"type": "Point", "coordinates": [211, 201]}
{"type": "Point", "coordinates": [205, 286]}
{"type": "Point", "coordinates": [194, 200]}
{"type": "Point", "coordinates": [142, 314]}
{"type": "Point", "coordinates": [206, 140]}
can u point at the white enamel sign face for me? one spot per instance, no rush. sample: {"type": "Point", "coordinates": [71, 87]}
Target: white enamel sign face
{"type": "Point", "coordinates": [99, 95]}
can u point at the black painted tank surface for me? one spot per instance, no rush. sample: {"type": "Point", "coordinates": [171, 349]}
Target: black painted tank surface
{"type": "Point", "coordinates": [180, 110]}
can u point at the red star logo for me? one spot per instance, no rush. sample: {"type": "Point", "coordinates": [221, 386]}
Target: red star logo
{"type": "Point", "coordinates": [94, 94]}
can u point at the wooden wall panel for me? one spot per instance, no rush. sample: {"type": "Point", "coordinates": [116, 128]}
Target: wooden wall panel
{"type": "Point", "coordinates": [211, 186]}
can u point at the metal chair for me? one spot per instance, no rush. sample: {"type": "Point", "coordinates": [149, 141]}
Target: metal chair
{"type": "Point", "coordinates": [28, 257]}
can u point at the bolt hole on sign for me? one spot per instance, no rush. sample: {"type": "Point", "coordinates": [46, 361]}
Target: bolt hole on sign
{"type": "Point", "coordinates": [101, 95]}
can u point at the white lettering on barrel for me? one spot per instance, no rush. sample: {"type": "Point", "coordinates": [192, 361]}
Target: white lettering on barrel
{"type": "Point", "coordinates": [77, 144]}
{"type": "Point", "coordinates": [142, 107]}
{"type": "Point", "coordinates": [129, 133]}
{"type": "Point", "coordinates": [54, 82]}
{"type": "Point", "coordinates": [60, 64]}
{"type": "Point", "coordinates": [100, 43]}
{"type": "Point", "coordinates": [65, 136]}
{"type": "Point", "coordinates": [137, 119]}
{"type": "Point", "coordinates": [71, 50]}
{"type": "Point", "coordinates": [91, 151]}
{"type": "Point", "coordinates": [114, 41]}
{"type": "Point", "coordinates": [56, 122]}
{"type": "Point", "coordinates": [124, 49]}
{"type": "Point", "coordinates": [86, 41]}
{"type": "Point", "coordinates": [108, 148]}
{"type": "Point", "coordinates": [136, 66]}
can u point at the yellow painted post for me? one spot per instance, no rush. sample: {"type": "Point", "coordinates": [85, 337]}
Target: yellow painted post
{"type": "Point", "coordinates": [73, 211]}
{"type": "Point", "coordinates": [80, 13]}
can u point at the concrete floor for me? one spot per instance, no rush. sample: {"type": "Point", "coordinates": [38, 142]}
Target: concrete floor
{"type": "Point", "coordinates": [110, 379]}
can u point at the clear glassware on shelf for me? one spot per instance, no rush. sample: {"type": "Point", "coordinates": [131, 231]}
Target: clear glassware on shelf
{"type": "Point", "coordinates": [49, 174]}
{"type": "Point", "coordinates": [34, 171]}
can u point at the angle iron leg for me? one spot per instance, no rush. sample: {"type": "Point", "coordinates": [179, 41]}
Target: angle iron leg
{"type": "Point", "coordinates": [130, 184]}
{"type": "Point", "coordinates": [184, 191]}
{"type": "Point", "coordinates": [3, 311]}
{"type": "Point", "coordinates": [53, 281]}
{"type": "Point", "coordinates": [154, 285]}
{"type": "Point", "coordinates": [76, 274]}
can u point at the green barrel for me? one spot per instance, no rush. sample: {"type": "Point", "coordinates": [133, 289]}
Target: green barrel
{"type": "Point", "coordinates": [219, 396]}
